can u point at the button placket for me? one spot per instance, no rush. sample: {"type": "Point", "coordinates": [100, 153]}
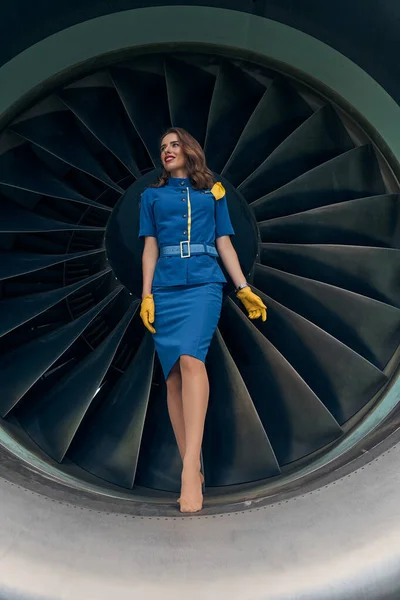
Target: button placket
{"type": "Point", "coordinates": [189, 216]}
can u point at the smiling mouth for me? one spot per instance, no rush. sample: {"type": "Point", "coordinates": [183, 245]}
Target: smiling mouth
{"type": "Point", "coordinates": [169, 159]}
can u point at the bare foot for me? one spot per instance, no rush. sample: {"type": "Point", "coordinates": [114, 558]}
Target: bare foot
{"type": "Point", "coordinates": [191, 499]}
{"type": "Point", "coordinates": [202, 481]}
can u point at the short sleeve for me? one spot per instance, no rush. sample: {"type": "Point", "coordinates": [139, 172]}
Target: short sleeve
{"type": "Point", "coordinates": [147, 225]}
{"type": "Point", "coordinates": [223, 225]}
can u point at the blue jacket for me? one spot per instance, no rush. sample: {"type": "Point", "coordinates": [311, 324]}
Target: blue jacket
{"type": "Point", "coordinates": [176, 212]}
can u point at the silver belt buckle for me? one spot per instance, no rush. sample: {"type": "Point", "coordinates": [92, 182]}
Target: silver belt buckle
{"type": "Point", "coordinates": [188, 249]}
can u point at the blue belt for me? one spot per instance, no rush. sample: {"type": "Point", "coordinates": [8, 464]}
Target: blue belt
{"type": "Point", "coordinates": [184, 250]}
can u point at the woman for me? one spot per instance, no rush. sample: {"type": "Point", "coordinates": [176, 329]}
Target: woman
{"type": "Point", "coordinates": [185, 222]}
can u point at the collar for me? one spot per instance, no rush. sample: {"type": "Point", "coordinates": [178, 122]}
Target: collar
{"type": "Point", "coordinates": [179, 182]}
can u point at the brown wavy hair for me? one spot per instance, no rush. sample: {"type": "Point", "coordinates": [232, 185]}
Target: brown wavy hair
{"type": "Point", "coordinates": [200, 175]}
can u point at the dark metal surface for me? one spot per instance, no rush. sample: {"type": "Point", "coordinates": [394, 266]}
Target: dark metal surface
{"type": "Point", "coordinates": [233, 431]}
{"type": "Point", "coordinates": [100, 111]}
{"type": "Point", "coordinates": [17, 220]}
{"type": "Point", "coordinates": [365, 270]}
{"type": "Point", "coordinates": [294, 418]}
{"type": "Point", "coordinates": [56, 416]}
{"type": "Point", "coordinates": [280, 111]}
{"type": "Point", "coordinates": [151, 87]}
{"type": "Point", "coordinates": [339, 312]}
{"type": "Point", "coordinates": [234, 100]}
{"type": "Point", "coordinates": [341, 378]}
{"type": "Point", "coordinates": [364, 222]}
{"type": "Point", "coordinates": [39, 355]}
{"type": "Point", "coordinates": [300, 147]}
{"type": "Point", "coordinates": [12, 265]}
{"type": "Point", "coordinates": [17, 311]}
{"type": "Point", "coordinates": [58, 134]}
{"type": "Point", "coordinates": [190, 91]}
{"type": "Point", "coordinates": [313, 222]}
{"type": "Point", "coordinates": [354, 174]}
{"type": "Point", "coordinates": [110, 443]}
{"type": "Point", "coordinates": [36, 177]}
{"type": "Point", "coordinates": [368, 25]}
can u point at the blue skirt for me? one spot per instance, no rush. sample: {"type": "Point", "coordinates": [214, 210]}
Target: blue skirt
{"type": "Point", "coordinates": [185, 320]}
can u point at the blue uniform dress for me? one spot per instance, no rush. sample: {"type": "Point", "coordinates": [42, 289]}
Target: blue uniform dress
{"type": "Point", "coordinates": [187, 291]}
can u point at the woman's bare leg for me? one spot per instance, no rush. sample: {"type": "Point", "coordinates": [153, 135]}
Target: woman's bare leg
{"type": "Point", "coordinates": [175, 409]}
{"type": "Point", "coordinates": [175, 406]}
{"type": "Point", "coordinates": [195, 393]}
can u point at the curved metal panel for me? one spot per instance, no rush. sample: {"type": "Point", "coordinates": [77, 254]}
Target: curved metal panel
{"type": "Point", "coordinates": [313, 546]}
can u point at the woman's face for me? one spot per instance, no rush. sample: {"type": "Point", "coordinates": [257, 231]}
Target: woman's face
{"type": "Point", "coordinates": [172, 156]}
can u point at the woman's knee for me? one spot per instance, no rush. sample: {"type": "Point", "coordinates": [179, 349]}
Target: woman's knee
{"type": "Point", "coordinates": [190, 364]}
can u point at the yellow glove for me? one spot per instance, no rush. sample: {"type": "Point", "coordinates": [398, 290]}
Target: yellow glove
{"type": "Point", "coordinates": [252, 303]}
{"type": "Point", "coordinates": [147, 312]}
